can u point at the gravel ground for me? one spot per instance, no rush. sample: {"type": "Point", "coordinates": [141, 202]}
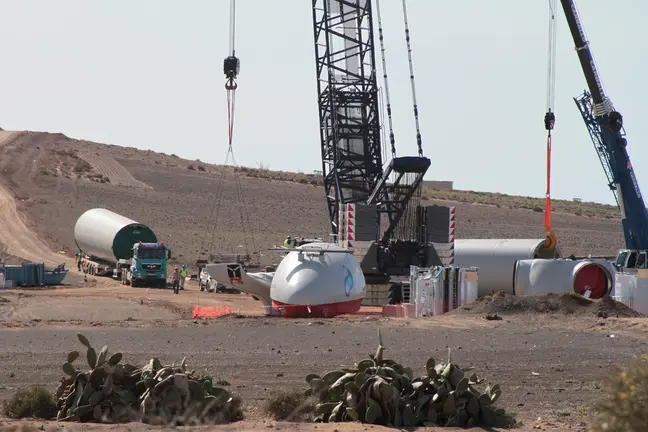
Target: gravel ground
{"type": "Point", "coordinates": [545, 372]}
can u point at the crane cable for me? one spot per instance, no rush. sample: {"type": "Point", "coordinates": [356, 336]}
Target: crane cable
{"type": "Point", "coordinates": [419, 140]}
{"type": "Point", "coordinates": [549, 121]}
{"type": "Point", "coordinates": [392, 138]}
{"type": "Point", "coordinates": [231, 67]}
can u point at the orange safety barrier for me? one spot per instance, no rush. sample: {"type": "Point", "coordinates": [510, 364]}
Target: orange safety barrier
{"type": "Point", "coordinates": [210, 312]}
{"type": "Point", "coordinates": [402, 310]}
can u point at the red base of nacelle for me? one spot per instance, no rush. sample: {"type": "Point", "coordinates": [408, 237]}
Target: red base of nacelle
{"type": "Point", "coordinates": [318, 311]}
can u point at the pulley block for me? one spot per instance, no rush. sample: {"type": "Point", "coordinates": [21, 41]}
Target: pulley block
{"type": "Point", "coordinates": [615, 121]}
{"type": "Point", "coordinates": [231, 66]}
{"type": "Point", "coordinates": [549, 120]}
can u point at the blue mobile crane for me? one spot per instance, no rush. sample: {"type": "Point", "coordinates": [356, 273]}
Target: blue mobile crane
{"type": "Point", "coordinates": [605, 126]}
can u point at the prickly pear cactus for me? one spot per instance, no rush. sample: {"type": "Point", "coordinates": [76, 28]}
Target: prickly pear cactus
{"type": "Point", "coordinates": [382, 391]}
{"type": "Point", "coordinates": [115, 392]}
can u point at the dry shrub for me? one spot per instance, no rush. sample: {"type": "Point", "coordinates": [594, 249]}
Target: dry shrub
{"type": "Point", "coordinates": [625, 407]}
{"type": "Point", "coordinates": [34, 402]}
{"type": "Point", "coordinates": [82, 166]}
{"type": "Point", "coordinates": [222, 382]}
{"type": "Point", "coordinates": [288, 405]}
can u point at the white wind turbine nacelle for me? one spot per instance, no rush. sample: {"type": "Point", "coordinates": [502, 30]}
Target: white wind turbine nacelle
{"type": "Point", "coordinates": [314, 280]}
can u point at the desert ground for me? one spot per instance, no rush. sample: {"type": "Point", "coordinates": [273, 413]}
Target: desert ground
{"type": "Point", "coordinates": [549, 355]}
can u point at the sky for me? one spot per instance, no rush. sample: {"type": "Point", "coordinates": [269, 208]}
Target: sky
{"type": "Point", "coordinates": [148, 74]}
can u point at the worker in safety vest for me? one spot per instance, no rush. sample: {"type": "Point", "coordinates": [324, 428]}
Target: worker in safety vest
{"type": "Point", "coordinates": [288, 243]}
{"type": "Point", "coordinates": [175, 279]}
{"type": "Point", "coordinates": [183, 276]}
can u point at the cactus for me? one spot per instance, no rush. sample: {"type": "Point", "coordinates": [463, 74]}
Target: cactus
{"type": "Point", "coordinates": [114, 359]}
{"type": "Point", "coordinates": [84, 340]}
{"type": "Point", "coordinates": [383, 392]}
{"type": "Point", "coordinates": [116, 392]}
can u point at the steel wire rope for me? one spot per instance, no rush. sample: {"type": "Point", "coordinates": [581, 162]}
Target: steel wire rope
{"type": "Point", "coordinates": [550, 120]}
{"type": "Point", "coordinates": [232, 25]}
{"type": "Point", "coordinates": [217, 199]}
{"type": "Point", "coordinates": [392, 137]}
{"type": "Point", "coordinates": [406, 227]}
{"type": "Point", "coordinates": [231, 104]}
{"type": "Point", "coordinates": [245, 214]}
{"type": "Point", "coordinates": [551, 56]}
{"type": "Point", "coordinates": [231, 101]}
{"type": "Point", "coordinates": [231, 69]}
{"type": "Point", "coordinates": [218, 203]}
{"type": "Point", "coordinates": [419, 139]}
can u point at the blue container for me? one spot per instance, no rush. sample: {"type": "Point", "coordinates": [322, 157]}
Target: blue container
{"type": "Point", "coordinates": [14, 273]}
{"type": "Point", "coordinates": [26, 275]}
{"type": "Point", "coordinates": [55, 276]}
{"type": "Point", "coordinates": [32, 275]}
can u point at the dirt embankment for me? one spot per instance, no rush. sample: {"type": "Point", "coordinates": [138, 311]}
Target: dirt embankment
{"type": "Point", "coordinates": [501, 303]}
{"type": "Point", "coordinates": [16, 237]}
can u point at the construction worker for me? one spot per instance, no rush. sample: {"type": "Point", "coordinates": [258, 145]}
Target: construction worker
{"type": "Point", "coordinates": [288, 242]}
{"type": "Point", "coordinates": [183, 276]}
{"type": "Point", "coordinates": [175, 279]}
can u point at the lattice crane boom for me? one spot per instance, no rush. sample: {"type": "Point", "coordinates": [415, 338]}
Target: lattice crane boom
{"type": "Point", "coordinates": [350, 133]}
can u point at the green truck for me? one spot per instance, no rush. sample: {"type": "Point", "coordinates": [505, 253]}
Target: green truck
{"type": "Point", "coordinates": [113, 245]}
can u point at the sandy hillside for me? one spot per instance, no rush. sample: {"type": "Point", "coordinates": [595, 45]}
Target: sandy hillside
{"type": "Point", "coordinates": [54, 179]}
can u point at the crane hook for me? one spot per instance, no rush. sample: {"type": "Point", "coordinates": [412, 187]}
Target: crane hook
{"type": "Point", "coordinates": [549, 120]}
{"type": "Point", "coordinates": [230, 84]}
{"type": "Point", "coordinates": [231, 67]}
{"type": "Point", "coordinates": [550, 241]}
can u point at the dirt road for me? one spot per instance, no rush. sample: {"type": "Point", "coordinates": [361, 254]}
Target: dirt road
{"type": "Point", "coordinates": [15, 237]}
{"type": "Point", "coordinates": [18, 240]}
{"type": "Point", "coordinates": [114, 305]}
